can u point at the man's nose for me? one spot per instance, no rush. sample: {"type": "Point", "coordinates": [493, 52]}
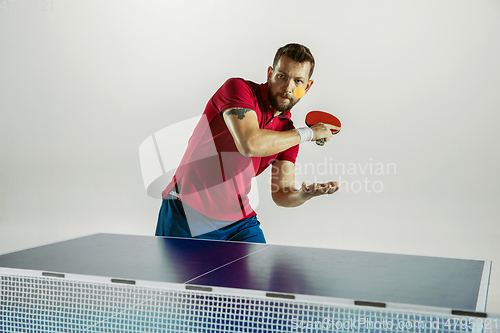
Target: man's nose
{"type": "Point", "coordinates": [290, 85]}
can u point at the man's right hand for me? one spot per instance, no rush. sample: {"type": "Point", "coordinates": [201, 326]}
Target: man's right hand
{"type": "Point", "coordinates": [323, 131]}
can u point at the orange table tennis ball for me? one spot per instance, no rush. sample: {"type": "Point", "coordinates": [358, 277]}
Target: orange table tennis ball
{"type": "Point", "coordinates": [299, 92]}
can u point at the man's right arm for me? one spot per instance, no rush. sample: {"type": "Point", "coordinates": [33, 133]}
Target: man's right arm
{"type": "Point", "coordinates": [253, 141]}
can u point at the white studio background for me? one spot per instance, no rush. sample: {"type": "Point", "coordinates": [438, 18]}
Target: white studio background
{"type": "Point", "coordinates": [415, 83]}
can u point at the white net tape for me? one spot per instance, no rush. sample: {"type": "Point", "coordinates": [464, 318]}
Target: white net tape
{"type": "Point", "coordinates": [40, 304]}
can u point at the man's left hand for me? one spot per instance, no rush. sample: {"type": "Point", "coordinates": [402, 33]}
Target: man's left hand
{"type": "Point", "coordinates": [317, 189]}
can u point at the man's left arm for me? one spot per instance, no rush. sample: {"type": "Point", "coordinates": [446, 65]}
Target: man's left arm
{"type": "Point", "coordinates": [284, 192]}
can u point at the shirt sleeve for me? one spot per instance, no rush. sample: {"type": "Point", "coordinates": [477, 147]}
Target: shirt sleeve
{"type": "Point", "coordinates": [234, 93]}
{"type": "Point", "coordinates": [291, 153]}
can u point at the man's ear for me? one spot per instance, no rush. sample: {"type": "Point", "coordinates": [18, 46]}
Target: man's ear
{"type": "Point", "coordinates": [309, 84]}
{"type": "Point", "coordinates": [269, 73]}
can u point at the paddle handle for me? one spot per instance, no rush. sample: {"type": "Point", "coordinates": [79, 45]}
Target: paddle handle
{"type": "Point", "coordinates": [320, 142]}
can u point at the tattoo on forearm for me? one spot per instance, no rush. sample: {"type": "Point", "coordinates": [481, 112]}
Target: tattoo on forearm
{"type": "Point", "coordinates": [240, 112]}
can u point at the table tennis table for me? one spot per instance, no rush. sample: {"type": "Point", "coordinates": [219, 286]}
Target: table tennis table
{"type": "Point", "coordinates": [128, 283]}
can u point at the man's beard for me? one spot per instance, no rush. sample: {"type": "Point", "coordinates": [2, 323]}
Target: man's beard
{"type": "Point", "coordinates": [283, 107]}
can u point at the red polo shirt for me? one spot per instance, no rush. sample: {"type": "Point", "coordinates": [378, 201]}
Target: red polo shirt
{"type": "Point", "coordinates": [213, 177]}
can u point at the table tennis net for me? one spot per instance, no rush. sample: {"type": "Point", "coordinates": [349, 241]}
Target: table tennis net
{"type": "Point", "coordinates": [48, 304]}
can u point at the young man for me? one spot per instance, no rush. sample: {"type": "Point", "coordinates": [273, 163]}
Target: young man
{"type": "Point", "coordinates": [245, 128]}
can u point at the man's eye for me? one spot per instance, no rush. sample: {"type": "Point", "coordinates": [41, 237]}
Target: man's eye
{"type": "Point", "coordinates": [281, 76]}
{"type": "Point", "coordinates": [298, 81]}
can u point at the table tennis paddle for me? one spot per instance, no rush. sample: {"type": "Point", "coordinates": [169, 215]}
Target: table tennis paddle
{"type": "Point", "coordinates": [314, 117]}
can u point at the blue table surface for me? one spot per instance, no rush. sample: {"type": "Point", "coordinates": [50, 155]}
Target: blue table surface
{"type": "Point", "coordinates": [376, 277]}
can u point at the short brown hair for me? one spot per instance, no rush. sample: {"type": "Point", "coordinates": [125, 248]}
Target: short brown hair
{"type": "Point", "coordinates": [296, 52]}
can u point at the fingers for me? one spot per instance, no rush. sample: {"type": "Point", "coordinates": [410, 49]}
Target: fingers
{"type": "Point", "coordinates": [316, 189]}
{"type": "Point", "coordinates": [309, 189]}
{"type": "Point", "coordinates": [330, 187]}
{"type": "Point", "coordinates": [323, 131]}
{"type": "Point", "coordinates": [333, 187]}
{"type": "Point", "coordinates": [333, 127]}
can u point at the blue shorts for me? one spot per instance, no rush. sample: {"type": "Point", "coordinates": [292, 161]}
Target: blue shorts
{"type": "Point", "coordinates": [172, 222]}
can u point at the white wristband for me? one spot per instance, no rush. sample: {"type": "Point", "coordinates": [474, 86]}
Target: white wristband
{"type": "Point", "coordinates": [305, 133]}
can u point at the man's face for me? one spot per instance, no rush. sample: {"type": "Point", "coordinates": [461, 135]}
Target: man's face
{"type": "Point", "coordinates": [283, 79]}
